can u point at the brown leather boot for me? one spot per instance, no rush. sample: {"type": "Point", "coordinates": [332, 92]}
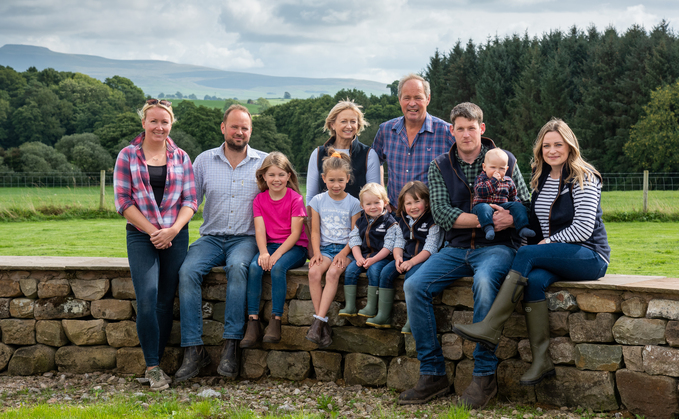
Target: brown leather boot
{"type": "Point", "coordinates": [252, 334]}
{"type": "Point", "coordinates": [272, 333]}
{"type": "Point", "coordinates": [314, 333]}
{"type": "Point", "coordinates": [427, 388]}
{"type": "Point", "coordinates": [326, 335]}
{"type": "Point", "coordinates": [479, 392]}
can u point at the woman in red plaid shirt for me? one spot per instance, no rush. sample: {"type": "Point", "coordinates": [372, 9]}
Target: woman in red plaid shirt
{"type": "Point", "coordinates": [155, 191]}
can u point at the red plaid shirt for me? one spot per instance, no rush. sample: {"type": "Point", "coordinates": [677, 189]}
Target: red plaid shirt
{"type": "Point", "coordinates": [132, 187]}
{"type": "Point", "coordinates": [492, 191]}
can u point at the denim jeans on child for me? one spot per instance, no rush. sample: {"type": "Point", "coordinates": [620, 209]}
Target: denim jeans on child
{"type": "Point", "coordinates": [516, 208]}
{"type": "Point", "coordinates": [293, 258]}
{"type": "Point", "coordinates": [544, 264]}
{"type": "Point", "coordinates": [155, 275]}
{"type": "Point", "coordinates": [353, 271]}
{"type": "Point", "coordinates": [390, 273]}
{"type": "Point", "coordinates": [489, 266]}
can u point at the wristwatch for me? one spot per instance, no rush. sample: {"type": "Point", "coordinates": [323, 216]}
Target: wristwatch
{"type": "Point", "coordinates": [547, 240]}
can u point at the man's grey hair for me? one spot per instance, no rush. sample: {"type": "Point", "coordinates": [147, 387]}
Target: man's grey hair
{"type": "Point", "coordinates": [413, 76]}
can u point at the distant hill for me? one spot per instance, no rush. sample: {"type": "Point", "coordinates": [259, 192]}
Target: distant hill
{"type": "Point", "coordinates": [154, 76]}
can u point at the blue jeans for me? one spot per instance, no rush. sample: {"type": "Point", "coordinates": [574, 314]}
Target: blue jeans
{"type": "Point", "coordinates": [235, 254]}
{"type": "Point", "coordinates": [155, 274]}
{"type": "Point", "coordinates": [353, 271]}
{"type": "Point", "coordinates": [545, 264]}
{"type": "Point", "coordinates": [293, 258]}
{"type": "Point", "coordinates": [488, 265]}
{"type": "Point", "coordinates": [518, 211]}
{"type": "Point", "coordinates": [389, 274]}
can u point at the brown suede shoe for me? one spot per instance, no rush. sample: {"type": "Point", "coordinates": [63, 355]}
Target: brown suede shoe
{"type": "Point", "coordinates": [326, 335]}
{"type": "Point", "coordinates": [314, 333]}
{"type": "Point", "coordinates": [479, 392]}
{"type": "Point", "coordinates": [427, 388]}
{"type": "Point", "coordinates": [272, 333]}
{"type": "Point", "coordinates": [252, 334]}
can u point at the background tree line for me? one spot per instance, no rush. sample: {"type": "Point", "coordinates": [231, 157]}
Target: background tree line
{"type": "Point", "coordinates": [600, 83]}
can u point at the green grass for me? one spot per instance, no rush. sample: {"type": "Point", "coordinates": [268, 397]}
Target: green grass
{"type": "Point", "coordinates": [219, 104]}
{"type": "Point", "coordinates": [666, 202]}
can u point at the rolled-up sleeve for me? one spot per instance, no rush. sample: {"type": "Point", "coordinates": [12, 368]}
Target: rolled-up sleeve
{"type": "Point", "coordinates": [189, 185]}
{"type": "Point", "coordinates": [391, 237]}
{"type": "Point", "coordinates": [445, 214]}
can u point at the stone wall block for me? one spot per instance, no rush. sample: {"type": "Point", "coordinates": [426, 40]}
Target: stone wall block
{"type": "Point", "coordinates": [463, 375]}
{"type": "Point", "coordinates": [399, 315]}
{"type": "Point", "coordinates": [120, 334]}
{"type": "Point", "coordinates": [218, 311]}
{"type": "Point", "coordinates": [18, 332]}
{"type": "Point", "coordinates": [509, 388]}
{"type": "Point", "coordinates": [444, 318]}
{"type": "Point", "coordinates": [50, 332]}
{"type": "Point", "coordinates": [31, 360]}
{"type": "Point", "coordinates": [659, 360]}
{"type": "Point", "coordinates": [292, 339]}
{"type": "Point", "coordinates": [363, 369]}
{"type": "Point", "coordinates": [634, 307]}
{"type": "Point", "coordinates": [303, 292]}
{"type": "Point", "coordinates": [29, 287]}
{"type": "Point", "coordinates": [506, 348]}
{"type": "Point", "coordinates": [463, 317]}
{"type": "Point", "coordinates": [213, 332]}
{"type": "Point", "coordinates": [172, 359]}
{"type": "Point", "coordinates": [561, 301]}
{"type": "Point", "coordinates": [300, 312]}
{"type": "Point", "coordinates": [122, 289]}
{"type": "Point", "coordinates": [598, 357]}
{"type": "Point", "coordinates": [131, 361]}
{"type": "Point", "coordinates": [253, 364]}
{"type": "Point", "coordinates": [214, 292]}
{"type": "Point", "coordinates": [266, 312]}
{"type": "Point", "coordinates": [468, 348]}
{"type": "Point", "coordinates": [294, 366]}
{"type": "Point", "coordinates": [4, 307]}
{"type": "Point", "coordinates": [10, 288]}
{"type": "Point", "coordinates": [515, 326]}
{"type": "Point", "coordinates": [586, 327]}
{"type": "Point", "coordinates": [82, 359]}
{"type": "Point", "coordinates": [21, 308]}
{"type": "Point", "coordinates": [6, 353]}
{"type": "Point", "coordinates": [175, 334]}
{"type": "Point", "coordinates": [410, 346]}
{"type": "Point", "coordinates": [451, 345]}
{"type": "Point", "coordinates": [207, 309]}
{"type": "Point", "coordinates": [573, 387]}
{"type": "Point", "coordinates": [215, 354]}
{"type": "Point", "coordinates": [110, 309]}
{"type": "Point", "coordinates": [85, 332]}
{"type": "Point", "coordinates": [561, 350]}
{"type": "Point", "coordinates": [458, 297]}
{"type": "Point", "coordinates": [672, 333]}
{"type": "Point", "coordinates": [599, 302]}
{"type": "Point", "coordinates": [403, 373]}
{"type": "Point", "coordinates": [54, 288]}
{"type": "Point", "coordinates": [663, 309]}
{"type": "Point", "coordinates": [558, 323]}
{"type": "Point", "coordinates": [61, 308]}
{"type": "Point", "coordinates": [327, 365]}
{"type": "Point", "coordinates": [633, 358]}
{"type": "Point", "coordinates": [631, 331]}
{"type": "Point", "coordinates": [646, 395]}
{"type": "Point", "coordinates": [524, 350]}
{"type": "Point", "coordinates": [371, 341]}
{"type": "Point", "coordinates": [90, 290]}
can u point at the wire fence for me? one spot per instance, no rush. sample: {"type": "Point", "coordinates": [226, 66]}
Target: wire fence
{"type": "Point", "coordinates": [668, 181]}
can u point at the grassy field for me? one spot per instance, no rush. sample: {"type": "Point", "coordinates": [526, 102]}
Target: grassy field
{"type": "Point", "coordinates": [219, 104]}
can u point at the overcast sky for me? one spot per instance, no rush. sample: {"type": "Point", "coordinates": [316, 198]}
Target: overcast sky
{"type": "Point", "coordinates": [369, 39]}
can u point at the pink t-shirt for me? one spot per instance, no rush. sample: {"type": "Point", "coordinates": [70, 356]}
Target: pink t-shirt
{"type": "Point", "coordinates": [277, 215]}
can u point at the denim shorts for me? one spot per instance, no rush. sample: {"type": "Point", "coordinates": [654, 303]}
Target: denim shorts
{"type": "Point", "coordinates": [331, 250]}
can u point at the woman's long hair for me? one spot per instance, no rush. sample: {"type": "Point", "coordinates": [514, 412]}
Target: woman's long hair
{"type": "Point", "coordinates": [578, 169]}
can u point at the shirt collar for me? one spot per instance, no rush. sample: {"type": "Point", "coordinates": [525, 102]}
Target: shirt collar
{"type": "Point", "coordinates": [427, 125]}
{"type": "Point", "coordinates": [251, 153]}
{"type": "Point", "coordinates": [482, 154]}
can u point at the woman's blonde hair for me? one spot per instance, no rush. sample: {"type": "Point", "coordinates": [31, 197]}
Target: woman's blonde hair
{"type": "Point", "coordinates": [278, 159]}
{"type": "Point", "coordinates": [375, 189]}
{"type": "Point", "coordinates": [343, 105]}
{"type": "Point", "coordinates": [156, 103]}
{"type": "Point", "coordinates": [578, 169]}
{"type": "Point", "coordinates": [336, 160]}
{"type": "Point", "coordinates": [416, 189]}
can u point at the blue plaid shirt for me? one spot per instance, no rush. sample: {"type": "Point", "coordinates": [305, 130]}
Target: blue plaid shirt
{"type": "Point", "coordinates": [410, 163]}
{"type": "Point", "coordinates": [228, 192]}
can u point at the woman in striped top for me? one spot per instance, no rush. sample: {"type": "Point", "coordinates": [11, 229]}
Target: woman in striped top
{"type": "Point", "coordinates": [571, 244]}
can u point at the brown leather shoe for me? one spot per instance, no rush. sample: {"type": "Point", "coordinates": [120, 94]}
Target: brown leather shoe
{"type": "Point", "coordinates": [479, 392]}
{"type": "Point", "coordinates": [252, 334]}
{"type": "Point", "coordinates": [326, 335]}
{"type": "Point", "coordinates": [314, 333]}
{"type": "Point", "coordinates": [272, 333]}
{"type": "Point", "coordinates": [427, 388]}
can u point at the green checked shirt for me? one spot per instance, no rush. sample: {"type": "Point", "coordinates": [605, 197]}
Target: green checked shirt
{"type": "Point", "coordinates": [444, 213]}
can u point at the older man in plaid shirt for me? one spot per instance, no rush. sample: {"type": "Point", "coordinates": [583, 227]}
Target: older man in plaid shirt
{"type": "Point", "coordinates": [226, 177]}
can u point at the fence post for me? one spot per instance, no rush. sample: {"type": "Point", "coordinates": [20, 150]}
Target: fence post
{"type": "Point", "coordinates": [645, 190]}
{"type": "Point", "coordinates": [102, 190]}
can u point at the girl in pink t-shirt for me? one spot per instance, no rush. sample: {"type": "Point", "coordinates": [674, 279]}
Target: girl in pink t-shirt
{"type": "Point", "coordinates": [279, 213]}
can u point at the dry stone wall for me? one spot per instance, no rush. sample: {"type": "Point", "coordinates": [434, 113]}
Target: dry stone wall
{"type": "Point", "coordinates": [614, 343]}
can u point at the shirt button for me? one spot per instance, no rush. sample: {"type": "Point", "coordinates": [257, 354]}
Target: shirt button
{"type": "Point", "coordinates": [407, 171]}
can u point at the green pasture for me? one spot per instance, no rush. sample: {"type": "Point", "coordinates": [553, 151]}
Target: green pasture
{"type": "Point", "coordinates": [219, 104]}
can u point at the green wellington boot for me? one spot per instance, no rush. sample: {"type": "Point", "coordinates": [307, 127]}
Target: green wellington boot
{"type": "Point", "coordinates": [537, 321]}
{"type": "Point", "coordinates": [406, 328]}
{"type": "Point", "coordinates": [370, 309]}
{"type": "Point", "coordinates": [385, 302]}
{"type": "Point", "coordinates": [488, 331]}
{"type": "Point", "coordinates": [349, 309]}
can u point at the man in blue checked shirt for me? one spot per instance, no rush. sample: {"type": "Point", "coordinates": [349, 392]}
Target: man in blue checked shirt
{"type": "Point", "coordinates": [225, 176]}
{"type": "Point", "coordinates": [410, 142]}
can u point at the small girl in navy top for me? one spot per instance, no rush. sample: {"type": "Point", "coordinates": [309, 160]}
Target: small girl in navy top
{"type": "Point", "coordinates": [279, 213]}
{"type": "Point", "coordinates": [419, 237]}
{"type": "Point", "coordinates": [371, 242]}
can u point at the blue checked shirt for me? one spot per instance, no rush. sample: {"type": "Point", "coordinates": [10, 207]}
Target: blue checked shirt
{"type": "Point", "coordinates": [410, 163]}
{"type": "Point", "coordinates": [228, 192]}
